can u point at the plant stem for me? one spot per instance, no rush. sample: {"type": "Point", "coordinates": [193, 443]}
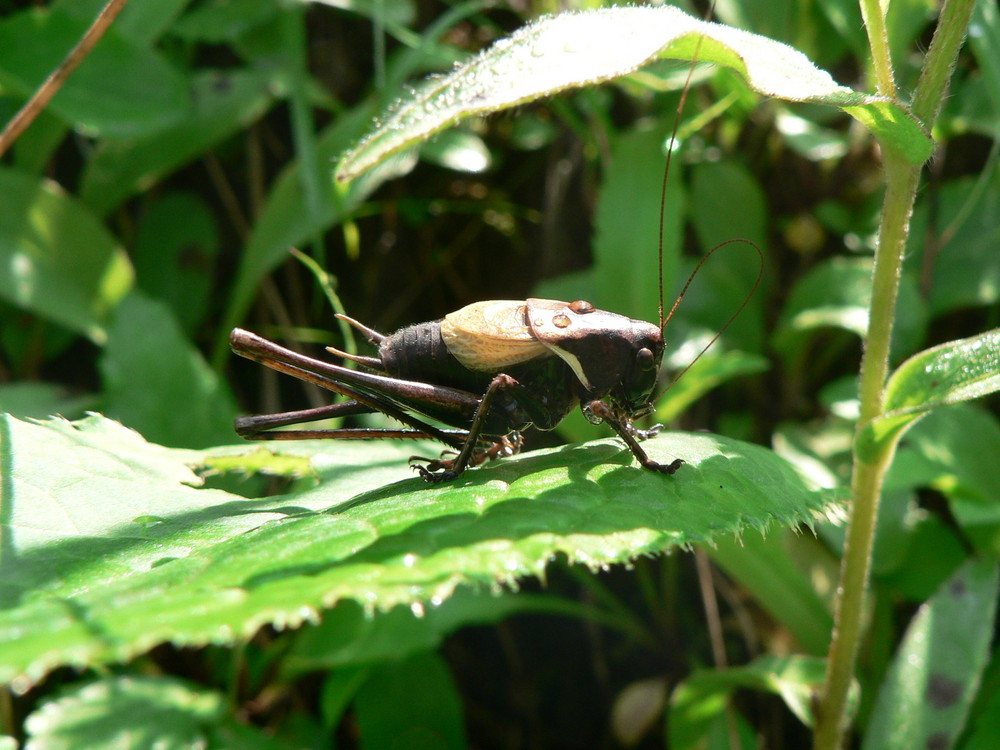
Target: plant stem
{"type": "Point", "coordinates": [902, 180]}
{"type": "Point", "coordinates": [873, 13]}
{"type": "Point", "coordinates": [866, 482]}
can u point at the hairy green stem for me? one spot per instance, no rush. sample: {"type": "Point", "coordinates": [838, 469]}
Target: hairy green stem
{"type": "Point", "coordinates": [902, 180]}
{"type": "Point", "coordinates": [873, 14]}
{"type": "Point", "coordinates": [866, 482]}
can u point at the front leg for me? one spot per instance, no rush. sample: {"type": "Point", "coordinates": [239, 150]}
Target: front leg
{"type": "Point", "coordinates": [631, 435]}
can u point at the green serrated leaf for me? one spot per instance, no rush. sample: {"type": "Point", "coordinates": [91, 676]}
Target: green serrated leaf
{"type": "Point", "coordinates": [578, 49]}
{"type": "Point", "coordinates": [926, 695]}
{"type": "Point", "coordinates": [135, 557]}
{"type": "Point", "coordinates": [966, 267]}
{"type": "Point", "coordinates": [40, 400]}
{"type": "Point", "coordinates": [59, 260]}
{"type": "Point", "coordinates": [946, 374]}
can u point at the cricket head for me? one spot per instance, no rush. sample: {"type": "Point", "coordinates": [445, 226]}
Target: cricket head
{"type": "Point", "coordinates": [613, 356]}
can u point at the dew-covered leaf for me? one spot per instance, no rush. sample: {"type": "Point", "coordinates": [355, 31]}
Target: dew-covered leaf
{"type": "Point", "coordinates": [579, 49]}
{"type": "Point", "coordinates": [946, 374]}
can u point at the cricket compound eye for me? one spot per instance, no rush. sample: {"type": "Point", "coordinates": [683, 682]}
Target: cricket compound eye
{"type": "Point", "coordinates": [644, 359]}
{"type": "Point", "coordinates": [581, 306]}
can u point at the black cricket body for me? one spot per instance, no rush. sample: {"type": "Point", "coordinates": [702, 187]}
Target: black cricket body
{"type": "Point", "coordinates": [492, 370]}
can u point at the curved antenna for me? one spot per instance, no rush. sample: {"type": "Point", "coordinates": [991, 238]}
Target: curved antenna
{"type": "Point", "coordinates": [666, 167]}
{"type": "Point", "coordinates": [743, 304]}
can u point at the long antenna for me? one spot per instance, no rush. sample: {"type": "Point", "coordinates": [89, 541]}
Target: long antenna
{"type": "Point", "coordinates": [746, 300]}
{"type": "Point", "coordinates": [666, 167]}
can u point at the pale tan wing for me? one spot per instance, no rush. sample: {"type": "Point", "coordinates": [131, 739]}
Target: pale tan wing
{"type": "Point", "coordinates": [491, 335]}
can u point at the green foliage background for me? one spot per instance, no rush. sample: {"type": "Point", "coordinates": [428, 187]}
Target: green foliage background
{"type": "Point", "coordinates": [171, 585]}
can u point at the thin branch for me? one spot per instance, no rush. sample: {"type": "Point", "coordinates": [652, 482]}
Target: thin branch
{"type": "Point", "coordinates": [57, 77]}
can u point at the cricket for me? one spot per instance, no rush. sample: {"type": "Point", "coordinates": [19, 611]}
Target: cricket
{"type": "Point", "coordinates": [490, 371]}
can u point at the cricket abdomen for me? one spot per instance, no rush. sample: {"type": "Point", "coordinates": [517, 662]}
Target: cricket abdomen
{"type": "Point", "coordinates": [544, 394]}
{"type": "Point", "coordinates": [418, 352]}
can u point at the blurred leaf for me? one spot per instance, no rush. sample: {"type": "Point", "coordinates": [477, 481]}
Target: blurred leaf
{"type": "Point", "coordinates": [946, 374]}
{"type": "Point", "coordinates": [142, 22]}
{"type": "Point", "coordinates": [727, 202]}
{"type": "Point", "coordinates": [727, 278]}
{"type": "Point", "coordinates": [959, 446]}
{"type": "Point", "coordinates": [397, 12]}
{"type": "Point", "coordinates": [926, 695]}
{"type": "Point", "coordinates": [982, 732]}
{"type": "Point", "coordinates": [705, 694]}
{"type": "Point", "coordinates": [576, 49]}
{"type": "Point", "coordinates": [965, 269]}
{"type": "Point", "coordinates": [35, 147]}
{"type": "Point", "coordinates": [410, 703]}
{"type": "Point", "coordinates": [157, 383]}
{"type": "Point", "coordinates": [766, 569]}
{"type": "Point", "coordinates": [916, 573]}
{"type": "Point", "coordinates": [39, 400]}
{"type": "Point", "coordinates": [775, 19]}
{"type": "Point", "coordinates": [845, 17]}
{"type": "Point", "coordinates": [984, 40]}
{"type": "Point", "coordinates": [626, 231]}
{"type": "Point", "coordinates": [100, 523]}
{"type": "Point", "coordinates": [460, 150]}
{"type": "Point", "coordinates": [175, 250]}
{"type": "Point", "coordinates": [121, 89]}
{"type": "Point", "coordinates": [286, 221]}
{"type": "Point", "coordinates": [809, 139]}
{"type": "Point", "coordinates": [707, 373]}
{"type": "Point", "coordinates": [126, 712]}
{"type": "Point", "coordinates": [61, 262]}
{"type": "Point", "coordinates": [905, 20]}
{"type": "Point", "coordinates": [220, 21]}
{"type": "Point", "coordinates": [837, 293]}
{"type": "Point", "coordinates": [339, 688]}
{"type": "Point", "coordinates": [224, 103]}
{"type": "Point", "coordinates": [637, 708]}
{"type": "Point", "coordinates": [350, 636]}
